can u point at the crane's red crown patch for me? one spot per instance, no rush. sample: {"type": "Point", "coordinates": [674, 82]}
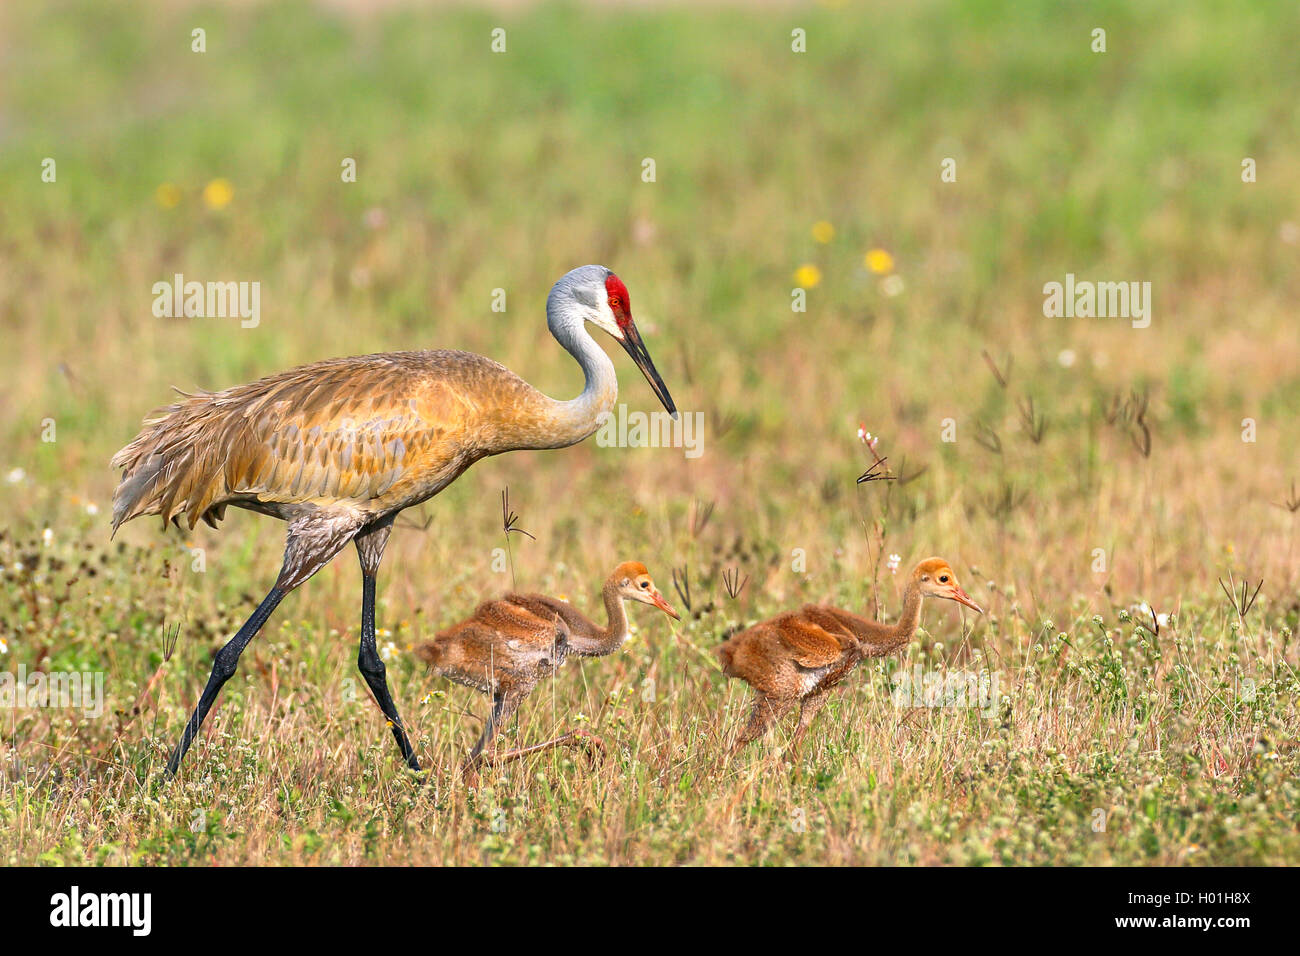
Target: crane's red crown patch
{"type": "Point", "coordinates": [619, 303]}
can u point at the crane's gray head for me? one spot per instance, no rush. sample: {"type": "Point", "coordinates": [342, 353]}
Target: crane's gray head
{"type": "Point", "coordinates": [594, 294]}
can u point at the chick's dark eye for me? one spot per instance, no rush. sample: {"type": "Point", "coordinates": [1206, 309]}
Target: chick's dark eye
{"type": "Point", "coordinates": [645, 584]}
{"type": "Point", "coordinates": [943, 579]}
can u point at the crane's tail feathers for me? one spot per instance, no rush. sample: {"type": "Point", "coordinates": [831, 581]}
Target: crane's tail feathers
{"type": "Point", "coordinates": [724, 658]}
{"type": "Point", "coordinates": [171, 469]}
{"type": "Point", "coordinates": [135, 491]}
{"type": "Point", "coordinates": [726, 651]}
{"type": "Point", "coordinates": [442, 655]}
{"type": "Point", "coordinates": [197, 393]}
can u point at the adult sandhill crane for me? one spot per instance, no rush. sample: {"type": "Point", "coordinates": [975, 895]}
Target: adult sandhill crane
{"type": "Point", "coordinates": [506, 647]}
{"type": "Point", "coordinates": [337, 448]}
{"type": "Point", "coordinates": [800, 656]}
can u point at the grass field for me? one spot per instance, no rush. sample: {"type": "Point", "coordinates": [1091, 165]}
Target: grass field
{"type": "Point", "coordinates": [1116, 735]}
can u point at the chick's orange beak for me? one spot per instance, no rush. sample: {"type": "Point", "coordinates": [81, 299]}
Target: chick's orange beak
{"type": "Point", "coordinates": [961, 597]}
{"type": "Point", "coordinates": [663, 605]}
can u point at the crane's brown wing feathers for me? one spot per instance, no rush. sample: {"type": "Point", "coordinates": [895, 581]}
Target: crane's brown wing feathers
{"type": "Point", "coordinates": [376, 431]}
{"type": "Point", "coordinates": [544, 606]}
{"type": "Point", "coordinates": [811, 638]}
{"type": "Point", "coordinates": [499, 643]}
{"type": "Point", "coordinates": [512, 623]}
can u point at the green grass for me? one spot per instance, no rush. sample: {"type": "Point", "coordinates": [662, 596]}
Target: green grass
{"type": "Point", "coordinates": [479, 171]}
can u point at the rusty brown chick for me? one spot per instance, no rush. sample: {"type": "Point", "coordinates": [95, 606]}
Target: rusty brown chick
{"type": "Point", "coordinates": [800, 656]}
{"type": "Point", "coordinates": [507, 646]}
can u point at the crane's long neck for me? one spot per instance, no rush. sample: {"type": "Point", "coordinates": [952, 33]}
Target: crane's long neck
{"type": "Point", "coordinates": [894, 636]}
{"type": "Point", "coordinates": [611, 637]}
{"type": "Point", "coordinates": [910, 619]}
{"type": "Point", "coordinates": [568, 423]}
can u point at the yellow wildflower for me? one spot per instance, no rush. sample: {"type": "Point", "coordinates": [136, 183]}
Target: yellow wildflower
{"type": "Point", "coordinates": [218, 193]}
{"type": "Point", "coordinates": [879, 261]}
{"type": "Point", "coordinates": [808, 276]}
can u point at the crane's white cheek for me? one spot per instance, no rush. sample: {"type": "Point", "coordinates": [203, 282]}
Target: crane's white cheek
{"type": "Point", "coordinates": [604, 319]}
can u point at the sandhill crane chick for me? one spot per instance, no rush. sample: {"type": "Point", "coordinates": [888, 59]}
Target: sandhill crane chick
{"type": "Point", "coordinates": [801, 656]}
{"type": "Point", "coordinates": [506, 647]}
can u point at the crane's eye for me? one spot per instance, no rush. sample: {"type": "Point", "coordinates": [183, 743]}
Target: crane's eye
{"type": "Point", "coordinates": [615, 304]}
{"type": "Point", "coordinates": [645, 584]}
{"type": "Point", "coordinates": [943, 579]}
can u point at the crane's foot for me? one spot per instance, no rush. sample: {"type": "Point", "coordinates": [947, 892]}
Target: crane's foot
{"type": "Point", "coordinates": [738, 748]}
{"type": "Point", "coordinates": [469, 774]}
{"type": "Point", "coordinates": [589, 742]}
{"type": "Point", "coordinates": [594, 746]}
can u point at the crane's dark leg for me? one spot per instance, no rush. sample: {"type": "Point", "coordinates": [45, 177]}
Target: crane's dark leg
{"type": "Point", "coordinates": [767, 710]}
{"type": "Point", "coordinates": [312, 540]}
{"type": "Point", "coordinates": [370, 544]}
{"type": "Point", "coordinates": [807, 711]}
{"type": "Point", "coordinates": [504, 704]}
{"type": "Point", "coordinates": [223, 668]}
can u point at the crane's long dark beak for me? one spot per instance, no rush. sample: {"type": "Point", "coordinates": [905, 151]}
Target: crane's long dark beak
{"type": "Point", "coordinates": [636, 348]}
